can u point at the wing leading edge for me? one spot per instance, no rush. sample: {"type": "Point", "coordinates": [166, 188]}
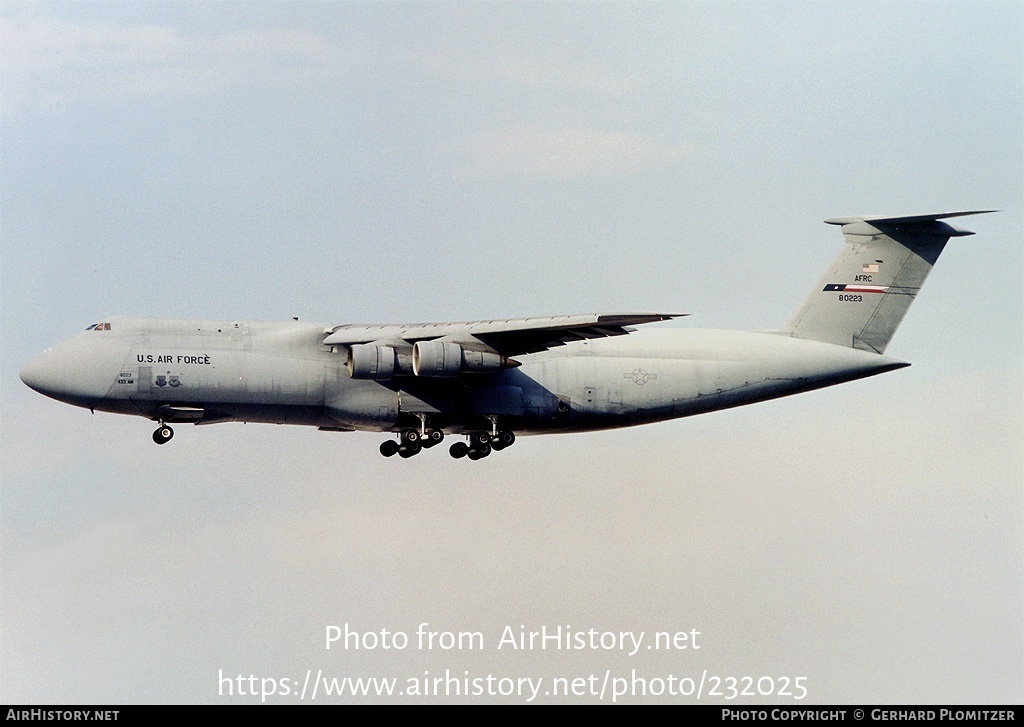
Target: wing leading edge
{"type": "Point", "coordinates": [508, 337]}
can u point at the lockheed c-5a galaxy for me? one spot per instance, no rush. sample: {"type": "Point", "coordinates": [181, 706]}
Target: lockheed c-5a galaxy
{"type": "Point", "coordinates": [490, 381]}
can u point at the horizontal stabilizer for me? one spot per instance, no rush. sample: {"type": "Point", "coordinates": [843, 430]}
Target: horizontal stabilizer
{"type": "Point", "coordinates": [903, 220]}
{"type": "Point", "coordinates": [916, 224]}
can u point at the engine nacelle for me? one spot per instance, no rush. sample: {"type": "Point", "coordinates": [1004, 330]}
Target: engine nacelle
{"type": "Point", "coordinates": [367, 361]}
{"type": "Point", "coordinates": [446, 360]}
{"type": "Point", "coordinates": [436, 358]}
{"type": "Point", "coordinates": [485, 361]}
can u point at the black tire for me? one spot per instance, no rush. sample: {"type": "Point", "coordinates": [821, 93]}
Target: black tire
{"type": "Point", "coordinates": [163, 434]}
{"type": "Point", "coordinates": [432, 438]}
{"type": "Point", "coordinates": [458, 450]}
{"type": "Point", "coordinates": [410, 436]}
{"type": "Point", "coordinates": [481, 439]}
{"type": "Point", "coordinates": [409, 450]}
{"type": "Point", "coordinates": [389, 448]}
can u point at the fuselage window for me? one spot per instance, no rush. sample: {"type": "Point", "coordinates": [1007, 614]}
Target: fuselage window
{"type": "Point", "coordinates": [99, 327]}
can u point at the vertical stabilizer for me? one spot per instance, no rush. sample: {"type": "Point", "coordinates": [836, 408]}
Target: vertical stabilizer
{"type": "Point", "coordinates": [862, 298]}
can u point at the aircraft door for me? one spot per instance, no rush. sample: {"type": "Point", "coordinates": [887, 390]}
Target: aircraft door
{"type": "Point", "coordinates": [586, 403]}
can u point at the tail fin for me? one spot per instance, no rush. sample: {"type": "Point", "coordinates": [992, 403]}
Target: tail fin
{"type": "Point", "coordinates": [867, 290]}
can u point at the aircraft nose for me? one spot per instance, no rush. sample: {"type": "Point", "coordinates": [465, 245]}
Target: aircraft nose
{"type": "Point", "coordinates": [44, 374]}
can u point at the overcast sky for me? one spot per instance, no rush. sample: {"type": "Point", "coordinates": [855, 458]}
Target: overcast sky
{"type": "Point", "coordinates": [389, 162]}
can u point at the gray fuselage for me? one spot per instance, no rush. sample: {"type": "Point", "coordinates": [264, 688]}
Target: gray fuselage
{"type": "Point", "coordinates": [211, 371]}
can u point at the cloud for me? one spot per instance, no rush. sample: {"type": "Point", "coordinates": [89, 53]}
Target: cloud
{"type": "Point", "coordinates": [560, 152]}
{"type": "Point", "coordinates": [50, 64]}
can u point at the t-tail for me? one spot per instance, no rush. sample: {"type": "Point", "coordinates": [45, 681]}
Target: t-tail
{"type": "Point", "coordinates": [868, 289]}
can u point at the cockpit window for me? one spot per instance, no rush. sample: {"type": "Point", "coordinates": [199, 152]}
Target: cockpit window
{"type": "Point", "coordinates": [99, 327]}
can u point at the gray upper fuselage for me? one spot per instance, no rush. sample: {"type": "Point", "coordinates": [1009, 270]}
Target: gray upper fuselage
{"type": "Point", "coordinates": [210, 371]}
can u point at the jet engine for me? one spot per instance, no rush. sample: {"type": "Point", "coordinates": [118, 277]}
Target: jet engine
{"type": "Point", "coordinates": [436, 359]}
{"type": "Point", "coordinates": [442, 359]}
{"type": "Point", "coordinates": [368, 361]}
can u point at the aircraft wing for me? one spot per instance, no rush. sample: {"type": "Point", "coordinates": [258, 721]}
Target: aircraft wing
{"type": "Point", "coordinates": [509, 337]}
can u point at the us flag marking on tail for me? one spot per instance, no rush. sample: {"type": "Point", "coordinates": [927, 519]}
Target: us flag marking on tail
{"type": "Point", "coordinates": [845, 288]}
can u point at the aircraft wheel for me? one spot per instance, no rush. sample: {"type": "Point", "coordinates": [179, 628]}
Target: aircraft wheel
{"type": "Point", "coordinates": [163, 434]}
{"type": "Point", "coordinates": [409, 450]}
{"type": "Point", "coordinates": [389, 448]}
{"type": "Point", "coordinates": [507, 438]}
{"type": "Point", "coordinates": [434, 436]}
{"type": "Point", "coordinates": [479, 451]}
{"type": "Point", "coordinates": [458, 450]}
{"type": "Point", "coordinates": [410, 436]}
{"type": "Point", "coordinates": [481, 439]}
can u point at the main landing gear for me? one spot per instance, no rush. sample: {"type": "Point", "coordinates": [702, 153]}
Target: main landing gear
{"type": "Point", "coordinates": [163, 434]}
{"type": "Point", "coordinates": [412, 441]}
{"type": "Point", "coordinates": [481, 444]}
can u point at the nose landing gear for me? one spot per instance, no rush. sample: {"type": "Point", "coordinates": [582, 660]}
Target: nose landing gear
{"type": "Point", "coordinates": [163, 434]}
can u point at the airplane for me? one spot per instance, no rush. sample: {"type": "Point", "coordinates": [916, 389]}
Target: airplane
{"type": "Point", "coordinates": [493, 380]}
